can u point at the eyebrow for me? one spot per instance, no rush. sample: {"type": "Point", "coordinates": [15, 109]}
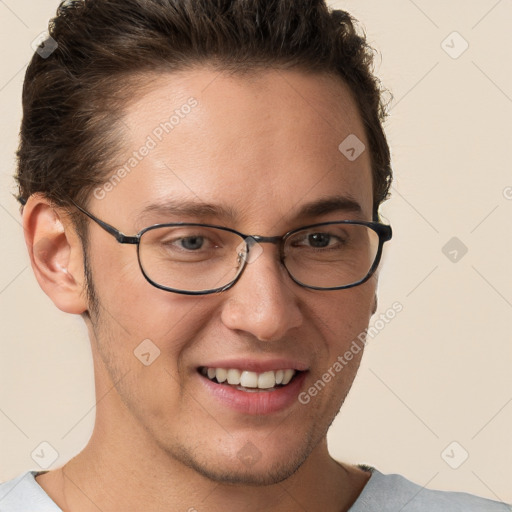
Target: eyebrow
{"type": "Point", "coordinates": [188, 209]}
{"type": "Point", "coordinates": [200, 210]}
{"type": "Point", "coordinates": [328, 205]}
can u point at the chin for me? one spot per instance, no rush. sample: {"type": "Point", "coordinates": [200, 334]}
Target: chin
{"type": "Point", "coordinates": [249, 467]}
{"type": "Point", "coordinates": [259, 474]}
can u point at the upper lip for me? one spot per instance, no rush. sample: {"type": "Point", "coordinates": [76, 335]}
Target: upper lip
{"type": "Point", "coordinates": [258, 365]}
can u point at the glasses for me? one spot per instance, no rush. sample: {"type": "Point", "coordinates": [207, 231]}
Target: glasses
{"type": "Point", "coordinates": [199, 259]}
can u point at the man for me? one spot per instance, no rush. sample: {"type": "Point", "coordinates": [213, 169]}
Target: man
{"type": "Point", "coordinates": [220, 239]}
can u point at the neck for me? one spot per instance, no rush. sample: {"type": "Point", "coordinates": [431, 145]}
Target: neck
{"type": "Point", "coordinates": [126, 480]}
{"type": "Point", "coordinates": [113, 474]}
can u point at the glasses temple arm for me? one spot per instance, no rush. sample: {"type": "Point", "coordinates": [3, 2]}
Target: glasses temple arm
{"type": "Point", "coordinates": [120, 237]}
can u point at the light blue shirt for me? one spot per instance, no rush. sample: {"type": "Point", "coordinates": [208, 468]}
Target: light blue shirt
{"type": "Point", "coordinates": [382, 493]}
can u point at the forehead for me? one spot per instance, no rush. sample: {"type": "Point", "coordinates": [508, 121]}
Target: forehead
{"type": "Point", "coordinates": [259, 145]}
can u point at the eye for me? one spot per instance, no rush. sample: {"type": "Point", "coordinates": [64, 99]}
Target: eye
{"type": "Point", "coordinates": [188, 240]}
{"type": "Point", "coordinates": [191, 243]}
{"type": "Point", "coordinates": [319, 240]}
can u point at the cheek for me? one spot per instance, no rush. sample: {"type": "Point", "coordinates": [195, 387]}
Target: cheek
{"type": "Point", "coordinates": [135, 314]}
{"type": "Point", "coordinates": [143, 335]}
{"type": "Point", "coordinates": [342, 319]}
{"type": "Point", "coordinates": [344, 315]}
{"type": "Point", "coordinates": [125, 296]}
{"type": "Point", "coordinates": [137, 318]}
{"type": "Point", "coordinates": [114, 270]}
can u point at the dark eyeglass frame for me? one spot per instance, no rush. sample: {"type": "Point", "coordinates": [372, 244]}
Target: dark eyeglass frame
{"type": "Point", "coordinates": [383, 231]}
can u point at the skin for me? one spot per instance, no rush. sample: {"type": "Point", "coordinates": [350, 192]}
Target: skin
{"type": "Point", "coordinates": [262, 147]}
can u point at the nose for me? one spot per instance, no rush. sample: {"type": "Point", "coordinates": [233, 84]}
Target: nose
{"type": "Point", "coordinates": [263, 302]}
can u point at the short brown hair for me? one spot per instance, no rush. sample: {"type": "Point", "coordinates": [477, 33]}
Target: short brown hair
{"type": "Point", "coordinates": [72, 98]}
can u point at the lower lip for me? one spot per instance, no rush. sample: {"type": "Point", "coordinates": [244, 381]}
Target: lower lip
{"type": "Point", "coordinates": [258, 402]}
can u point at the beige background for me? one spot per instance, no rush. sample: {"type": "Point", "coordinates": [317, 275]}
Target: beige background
{"type": "Point", "coordinates": [437, 373]}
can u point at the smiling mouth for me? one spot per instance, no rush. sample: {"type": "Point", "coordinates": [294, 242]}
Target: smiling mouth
{"type": "Point", "coordinates": [245, 380]}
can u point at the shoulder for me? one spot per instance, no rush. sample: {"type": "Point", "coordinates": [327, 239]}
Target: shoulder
{"type": "Point", "coordinates": [23, 493]}
{"type": "Point", "coordinates": [389, 493]}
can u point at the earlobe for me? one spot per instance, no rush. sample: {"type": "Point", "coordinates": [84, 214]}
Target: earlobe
{"type": "Point", "coordinates": [55, 254]}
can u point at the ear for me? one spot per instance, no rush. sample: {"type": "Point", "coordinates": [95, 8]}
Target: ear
{"type": "Point", "coordinates": [55, 252]}
{"type": "Point", "coordinates": [375, 304]}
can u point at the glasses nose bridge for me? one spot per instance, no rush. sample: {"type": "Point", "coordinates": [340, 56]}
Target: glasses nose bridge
{"type": "Point", "coordinates": [263, 239]}
{"type": "Point", "coordinates": [254, 240]}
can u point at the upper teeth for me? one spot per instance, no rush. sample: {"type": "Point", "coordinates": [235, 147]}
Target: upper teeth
{"type": "Point", "coordinates": [247, 379]}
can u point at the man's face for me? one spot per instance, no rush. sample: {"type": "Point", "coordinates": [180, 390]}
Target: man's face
{"type": "Point", "coordinates": [260, 149]}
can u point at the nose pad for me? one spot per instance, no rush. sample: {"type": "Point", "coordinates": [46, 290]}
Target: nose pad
{"type": "Point", "coordinates": [248, 251]}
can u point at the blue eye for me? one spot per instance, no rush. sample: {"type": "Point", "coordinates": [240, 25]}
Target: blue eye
{"type": "Point", "coordinates": [192, 243]}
